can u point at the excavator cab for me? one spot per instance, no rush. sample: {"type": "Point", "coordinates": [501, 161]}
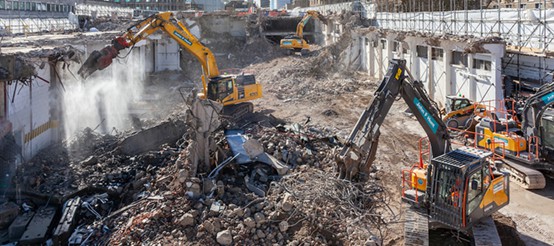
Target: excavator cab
{"type": "Point", "coordinates": [465, 188]}
{"type": "Point", "coordinates": [235, 92]}
{"type": "Point", "coordinates": [547, 135]}
{"type": "Point", "coordinates": [454, 103]}
{"type": "Point", "coordinates": [294, 44]}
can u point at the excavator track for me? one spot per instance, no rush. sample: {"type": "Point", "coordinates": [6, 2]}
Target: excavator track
{"type": "Point", "coordinates": [238, 111]}
{"type": "Point", "coordinates": [525, 177]}
{"type": "Point", "coordinates": [416, 227]}
{"type": "Point", "coordinates": [485, 233]}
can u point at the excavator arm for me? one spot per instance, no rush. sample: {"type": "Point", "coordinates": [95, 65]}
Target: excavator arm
{"type": "Point", "coordinates": [358, 154]}
{"type": "Point", "coordinates": [534, 109]}
{"type": "Point", "coordinates": [166, 22]}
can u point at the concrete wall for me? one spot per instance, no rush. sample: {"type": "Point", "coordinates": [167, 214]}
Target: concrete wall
{"type": "Point", "coordinates": [479, 78]}
{"type": "Point", "coordinates": [166, 55]}
{"type": "Point", "coordinates": [222, 24]}
{"type": "Point", "coordinates": [30, 110]}
{"type": "Point", "coordinates": [34, 110]}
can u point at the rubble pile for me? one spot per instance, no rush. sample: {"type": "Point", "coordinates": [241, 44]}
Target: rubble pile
{"type": "Point", "coordinates": [152, 196]}
{"type": "Point", "coordinates": [90, 160]}
{"type": "Point", "coordinates": [182, 208]}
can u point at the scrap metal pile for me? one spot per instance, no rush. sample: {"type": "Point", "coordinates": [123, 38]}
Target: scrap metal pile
{"type": "Point", "coordinates": [115, 198]}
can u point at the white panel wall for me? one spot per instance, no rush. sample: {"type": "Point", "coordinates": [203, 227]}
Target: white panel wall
{"type": "Point", "coordinates": [166, 55]}
{"type": "Point", "coordinates": [440, 78]}
{"type": "Point", "coordinates": [440, 81]}
{"type": "Point", "coordinates": [460, 83]}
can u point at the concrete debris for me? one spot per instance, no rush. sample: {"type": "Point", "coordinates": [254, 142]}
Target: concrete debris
{"type": "Point", "coordinates": [68, 221]}
{"type": "Point", "coordinates": [186, 220]}
{"type": "Point", "coordinates": [38, 228]}
{"type": "Point", "coordinates": [17, 228]}
{"type": "Point", "coordinates": [224, 237]}
{"type": "Point", "coordinates": [152, 138]}
{"type": "Point", "coordinates": [8, 212]}
{"type": "Point", "coordinates": [283, 226]}
{"type": "Point", "coordinates": [15, 68]}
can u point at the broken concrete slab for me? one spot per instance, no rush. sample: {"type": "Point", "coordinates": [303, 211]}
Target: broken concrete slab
{"type": "Point", "coordinates": [15, 68]}
{"type": "Point", "coordinates": [8, 212]}
{"type": "Point", "coordinates": [250, 150]}
{"type": "Point", "coordinates": [151, 139]}
{"type": "Point", "coordinates": [67, 222]}
{"type": "Point", "coordinates": [39, 226]}
{"type": "Point", "coordinates": [17, 228]}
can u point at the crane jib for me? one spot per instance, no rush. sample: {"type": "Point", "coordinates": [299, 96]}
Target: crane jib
{"type": "Point", "coordinates": [182, 37]}
{"type": "Point", "coordinates": [433, 124]}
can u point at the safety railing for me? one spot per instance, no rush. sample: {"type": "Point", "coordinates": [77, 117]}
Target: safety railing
{"type": "Point", "coordinates": [409, 186]}
{"type": "Point", "coordinates": [424, 149]}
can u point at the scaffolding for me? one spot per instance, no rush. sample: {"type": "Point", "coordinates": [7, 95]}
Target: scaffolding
{"type": "Point", "coordinates": [10, 26]}
{"type": "Point", "coordinates": [528, 32]}
{"type": "Point", "coordinates": [103, 11]}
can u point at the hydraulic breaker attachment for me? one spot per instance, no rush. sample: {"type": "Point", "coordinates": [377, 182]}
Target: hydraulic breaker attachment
{"type": "Point", "coordinates": [99, 60]}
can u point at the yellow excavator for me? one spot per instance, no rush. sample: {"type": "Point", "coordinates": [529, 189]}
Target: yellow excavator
{"type": "Point", "coordinates": [233, 91]}
{"type": "Point", "coordinates": [296, 42]}
{"type": "Point", "coordinates": [458, 188]}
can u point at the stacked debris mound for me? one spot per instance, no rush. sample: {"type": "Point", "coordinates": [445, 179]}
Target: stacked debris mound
{"type": "Point", "coordinates": [307, 205]}
{"type": "Point", "coordinates": [112, 163]}
{"type": "Point", "coordinates": [290, 81]}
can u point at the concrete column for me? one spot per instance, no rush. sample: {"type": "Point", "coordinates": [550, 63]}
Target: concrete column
{"type": "Point", "coordinates": [430, 73]}
{"type": "Point", "coordinates": [390, 47]}
{"type": "Point", "coordinates": [370, 56]}
{"type": "Point", "coordinates": [471, 80]}
{"type": "Point", "coordinates": [381, 58]}
{"type": "Point", "coordinates": [497, 52]}
{"type": "Point", "coordinates": [447, 71]}
{"type": "Point", "coordinates": [413, 55]}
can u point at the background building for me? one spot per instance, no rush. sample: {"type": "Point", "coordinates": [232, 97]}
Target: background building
{"type": "Point", "coordinates": [278, 4]}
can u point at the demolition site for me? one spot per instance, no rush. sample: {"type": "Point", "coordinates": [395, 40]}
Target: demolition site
{"type": "Point", "coordinates": [276, 122]}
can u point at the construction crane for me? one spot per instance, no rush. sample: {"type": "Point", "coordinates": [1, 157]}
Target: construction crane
{"type": "Point", "coordinates": [233, 91]}
{"type": "Point", "coordinates": [458, 187]}
{"type": "Point", "coordinates": [296, 42]}
{"type": "Point", "coordinates": [529, 146]}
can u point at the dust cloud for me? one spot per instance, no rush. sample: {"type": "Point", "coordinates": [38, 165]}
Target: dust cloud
{"type": "Point", "coordinates": [103, 102]}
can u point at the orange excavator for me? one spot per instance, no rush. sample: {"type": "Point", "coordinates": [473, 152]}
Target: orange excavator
{"type": "Point", "coordinates": [233, 91]}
